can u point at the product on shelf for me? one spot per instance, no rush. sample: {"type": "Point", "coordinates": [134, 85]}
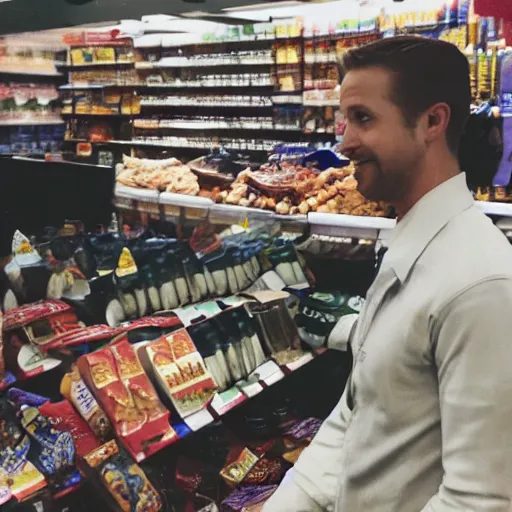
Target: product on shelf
{"type": "Point", "coordinates": [319, 312]}
{"type": "Point", "coordinates": [123, 479]}
{"type": "Point", "coordinates": [219, 164]}
{"type": "Point", "coordinates": [18, 476]}
{"type": "Point", "coordinates": [247, 498]}
{"type": "Point", "coordinates": [179, 370]}
{"type": "Point", "coordinates": [74, 389]}
{"type": "Point", "coordinates": [292, 189]}
{"type": "Point", "coordinates": [117, 379]}
{"type": "Point", "coordinates": [51, 451]}
{"type": "Point", "coordinates": [167, 175]}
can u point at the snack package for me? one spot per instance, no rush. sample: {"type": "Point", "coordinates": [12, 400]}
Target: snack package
{"type": "Point", "coordinates": [179, 371]}
{"type": "Point", "coordinates": [267, 471]}
{"type": "Point", "coordinates": [18, 476]}
{"type": "Point", "coordinates": [239, 464]}
{"type": "Point", "coordinates": [51, 451]}
{"type": "Point", "coordinates": [119, 383]}
{"type": "Point", "coordinates": [99, 334]}
{"type": "Point", "coordinates": [123, 479]}
{"type": "Point", "coordinates": [298, 437]}
{"type": "Point", "coordinates": [319, 312]}
{"type": "Point", "coordinates": [247, 499]}
{"type": "Point", "coordinates": [76, 391]}
{"type": "Point", "coordinates": [42, 321]}
{"type": "Point", "coordinates": [20, 397]}
{"type": "Point", "coordinates": [64, 418]}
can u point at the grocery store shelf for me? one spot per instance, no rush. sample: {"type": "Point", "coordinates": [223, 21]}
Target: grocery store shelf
{"type": "Point", "coordinates": [75, 114]}
{"type": "Point", "coordinates": [29, 72]}
{"type": "Point", "coordinates": [137, 194]}
{"type": "Point", "coordinates": [98, 64]}
{"type": "Point", "coordinates": [266, 375]}
{"type": "Point", "coordinates": [30, 122]}
{"type": "Point", "coordinates": [204, 125]}
{"type": "Point", "coordinates": [84, 87]}
{"type": "Point", "coordinates": [146, 103]}
{"type": "Point", "coordinates": [334, 224]}
{"type": "Point", "coordinates": [185, 143]}
{"type": "Point", "coordinates": [497, 209]}
{"type": "Point", "coordinates": [203, 63]}
{"type": "Point", "coordinates": [321, 103]}
{"type": "Point", "coordinates": [60, 162]}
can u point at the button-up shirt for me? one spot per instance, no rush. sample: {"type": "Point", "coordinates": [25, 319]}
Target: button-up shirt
{"type": "Point", "coordinates": [425, 421]}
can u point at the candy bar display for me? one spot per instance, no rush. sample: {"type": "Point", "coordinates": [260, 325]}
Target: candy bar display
{"type": "Point", "coordinates": [152, 381]}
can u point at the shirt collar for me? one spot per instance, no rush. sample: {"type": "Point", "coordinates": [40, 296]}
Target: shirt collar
{"type": "Point", "coordinates": [424, 220]}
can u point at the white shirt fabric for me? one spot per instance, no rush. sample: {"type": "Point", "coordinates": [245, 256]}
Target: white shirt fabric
{"type": "Point", "coordinates": [425, 422]}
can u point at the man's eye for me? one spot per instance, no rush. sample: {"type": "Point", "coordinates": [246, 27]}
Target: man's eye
{"type": "Point", "coordinates": [362, 117]}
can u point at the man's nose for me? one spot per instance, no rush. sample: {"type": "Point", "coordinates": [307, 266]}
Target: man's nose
{"type": "Point", "coordinates": [350, 142]}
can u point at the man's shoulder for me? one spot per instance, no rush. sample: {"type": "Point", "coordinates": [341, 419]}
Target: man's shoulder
{"type": "Point", "coordinates": [469, 250]}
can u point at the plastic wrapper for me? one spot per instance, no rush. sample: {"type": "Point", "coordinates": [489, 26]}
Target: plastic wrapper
{"type": "Point", "coordinates": [319, 312]}
{"type": "Point", "coordinates": [64, 418]}
{"type": "Point", "coordinates": [76, 391]}
{"type": "Point", "coordinates": [301, 433]}
{"type": "Point", "coordinates": [180, 372]}
{"type": "Point", "coordinates": [52, 452]}
{"type": "Point", "coordinates": [238, 466]}
{"type": "Point", "coordinates": [267, 471]}
{"type": "Point", "coordinates": [40, 322]}
{"type": "Point", "coordinates": [246, 498]}
{"type": "Point", "coordinates": [20, 397]}
{"type": "Point", "coordinates": [18, 476]}
{"type": "Point", "coordinates": [120, 385]}
{"type": "Point", "coordinates": [124, 480]}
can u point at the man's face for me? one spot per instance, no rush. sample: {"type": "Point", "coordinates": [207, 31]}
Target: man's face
{"type": "Point", "coordinates": [384, 150]}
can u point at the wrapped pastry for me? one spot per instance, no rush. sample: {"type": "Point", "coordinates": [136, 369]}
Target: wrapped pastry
{"type": "Point", "coordinates": [76, 391]}
{"type": "Point", "coordinates": [124, 480]}
{"type": "Point", "coordinates": [64, 418]}
{"type": "Point", "coordinates": [18, 476]}
{"type": "Point", "coordinates": [119, 383]}
{"type": "Point", "coordinates": [180, 372]}
{"type": "Point", "coordinates": [52, 452]}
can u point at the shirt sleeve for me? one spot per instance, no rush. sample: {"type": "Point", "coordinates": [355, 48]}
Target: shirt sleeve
{"type": "Point", "coordinates": [341, 335]}
{"type": "Point", "coordinates": [311, 485]}
{"type": "Point", "coordinates": [472, 345]}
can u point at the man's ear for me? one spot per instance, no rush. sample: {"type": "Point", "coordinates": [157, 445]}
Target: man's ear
{"type": "Point", "coordinates": [438, 118]}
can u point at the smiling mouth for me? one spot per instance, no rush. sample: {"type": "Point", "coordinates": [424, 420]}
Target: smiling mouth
{"type": "Point", "coordinates": [360, 163]}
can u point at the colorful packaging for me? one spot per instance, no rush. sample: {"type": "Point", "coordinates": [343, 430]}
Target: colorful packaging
{"type": "Point", "coordinates": [18, 477]}
{"type": "Point", "coordinates": [38, 324]}
{"type": "Point", "coordinates": [64, 418]}
{"type": "Point", "coordinates": [240, 463]}
{"type": "Point", "coordinates": [52, 452]}
{"type": "Point", "coordinates": [116, 378]}
{"type": "Point", "coordinates": [20, 397]}
{"type": "Point", "coordinates": [244, 499]}
{"type": "Point", "coordinates": [76, 391]}
{"type": "Point", "coordinates": [180, 371]}
{"type": "Point", "coordinates": [123, 479]}
{"type": "Point", "coordinates": [267, 471]}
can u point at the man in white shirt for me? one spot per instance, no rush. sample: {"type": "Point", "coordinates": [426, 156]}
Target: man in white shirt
{"type": "Point", "coordinates": [425, 421]}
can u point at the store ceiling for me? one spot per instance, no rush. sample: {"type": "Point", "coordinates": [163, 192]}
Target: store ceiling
{"type": "Point", "coordinates": [31, 15]}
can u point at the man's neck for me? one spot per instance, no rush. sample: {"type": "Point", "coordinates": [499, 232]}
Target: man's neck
{"type": "Point", "coordinates": [427, 179]}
